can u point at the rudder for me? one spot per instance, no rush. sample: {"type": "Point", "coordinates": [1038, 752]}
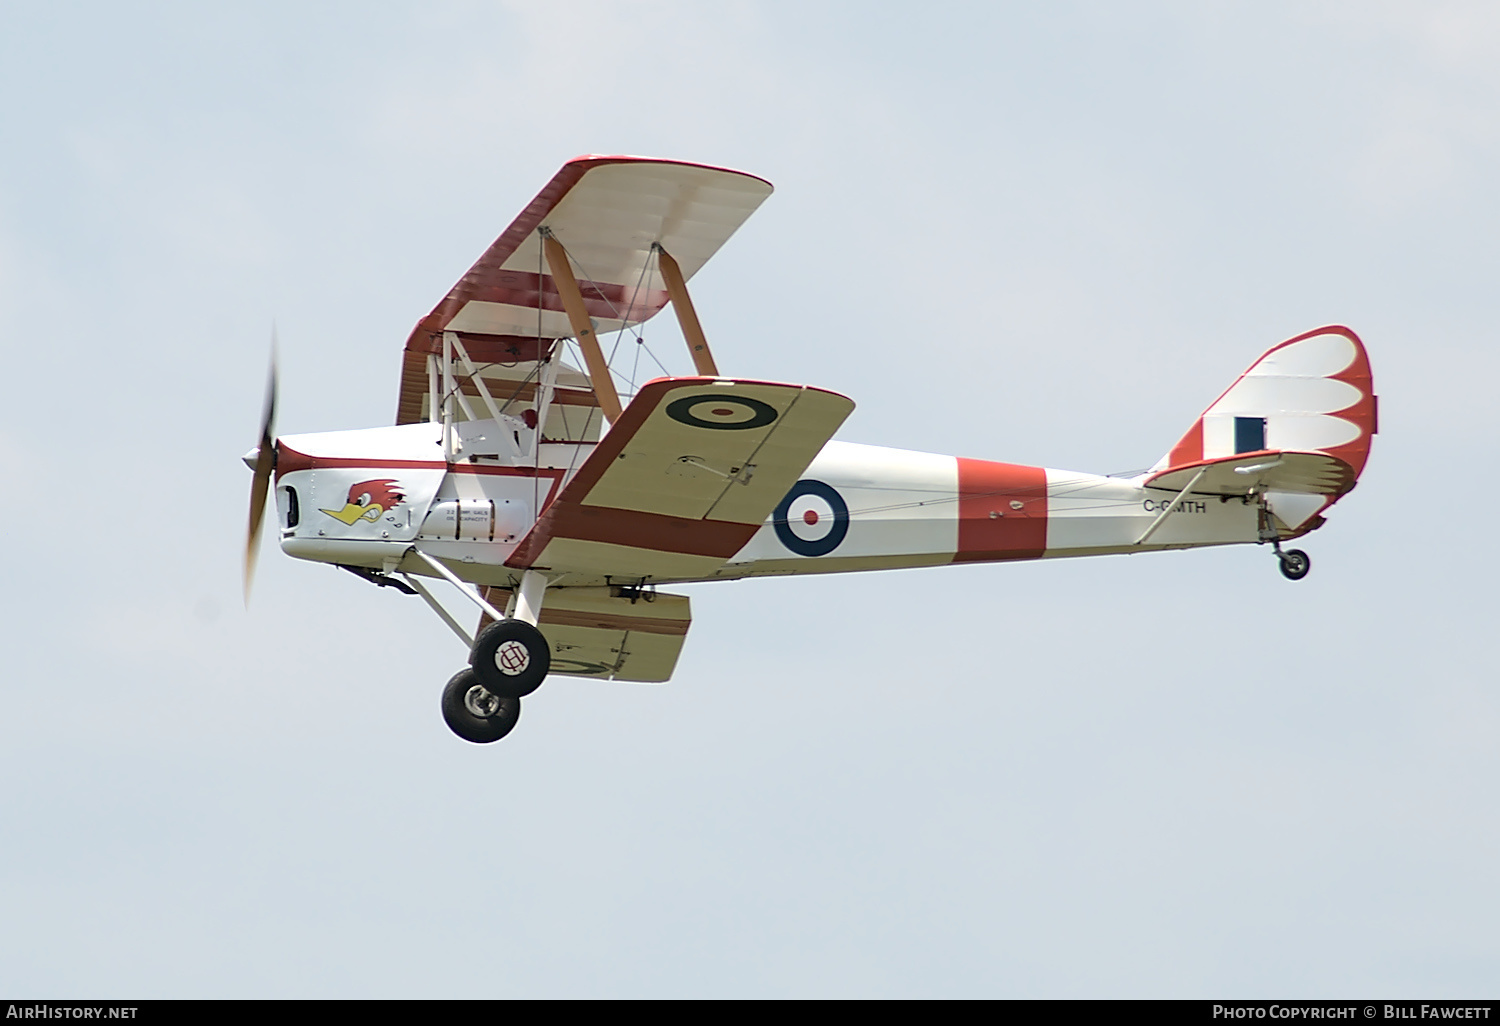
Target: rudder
{"type": "Point", "coordinates": [1311, 394]}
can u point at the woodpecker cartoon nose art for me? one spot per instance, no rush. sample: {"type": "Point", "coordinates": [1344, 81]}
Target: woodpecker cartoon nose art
{"type": "Point", "coordinates": [368, 500]}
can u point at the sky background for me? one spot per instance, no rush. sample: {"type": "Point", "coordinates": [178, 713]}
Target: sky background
{"type": "Point", "coordinates": [1039, 233]}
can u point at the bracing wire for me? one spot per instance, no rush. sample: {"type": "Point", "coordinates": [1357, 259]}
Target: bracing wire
{"type": "Point", "coordinates": [624, 318]}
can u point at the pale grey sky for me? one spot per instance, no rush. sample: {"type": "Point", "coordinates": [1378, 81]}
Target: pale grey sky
{"type": "Point", "coordinates": [1041, 233]}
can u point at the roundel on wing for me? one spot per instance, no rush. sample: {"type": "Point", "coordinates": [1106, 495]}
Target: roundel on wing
{"type": "Point", "coordinates": [721, 412]}
{"type": "Point", "coordinates": [813, 518]}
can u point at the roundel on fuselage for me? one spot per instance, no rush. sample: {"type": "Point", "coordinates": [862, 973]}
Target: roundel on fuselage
{"type": "Point", "coordinates": [813, 518]}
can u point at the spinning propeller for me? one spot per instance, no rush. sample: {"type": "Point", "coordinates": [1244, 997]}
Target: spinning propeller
{"type": "Point", "coordinates": [264, 464]}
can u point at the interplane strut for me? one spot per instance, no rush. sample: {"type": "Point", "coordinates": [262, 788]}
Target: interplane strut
{"type": "Point", "coordinates": [583, 328]}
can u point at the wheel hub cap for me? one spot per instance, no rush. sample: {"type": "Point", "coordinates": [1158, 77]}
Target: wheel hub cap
{"type": "Point", "coordinates": [512, 658]}
{"type": "Point", "coordinates": [481, 702]}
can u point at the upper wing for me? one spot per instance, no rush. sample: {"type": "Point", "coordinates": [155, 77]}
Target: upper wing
{"type": "Point", "coordinates": [683, 481]}
{"type": "Point", "coordinates": [607, 212]}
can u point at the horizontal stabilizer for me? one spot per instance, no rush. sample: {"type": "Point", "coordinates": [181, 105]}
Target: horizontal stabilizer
{"type": "Point", "coordinates": [1301, 473]}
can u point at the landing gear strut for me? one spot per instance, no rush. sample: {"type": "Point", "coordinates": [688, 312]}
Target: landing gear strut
{"type": "Point", "coordinates": [1294, 562]}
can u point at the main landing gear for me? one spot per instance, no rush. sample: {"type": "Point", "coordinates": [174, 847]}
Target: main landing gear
{"type": "Point", "coordinates": [475, 713]}
{"type": "Point", "coordinates": [509, 661]}
{"type": "Point", "coordinates": [511, 658]}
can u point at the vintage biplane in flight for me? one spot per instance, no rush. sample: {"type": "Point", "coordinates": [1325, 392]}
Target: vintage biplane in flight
{"type": "Point", "coordinates": [558, 510]}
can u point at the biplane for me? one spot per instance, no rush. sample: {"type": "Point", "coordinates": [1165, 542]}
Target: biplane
{"type": "Point", "coordinates": [519, 474]}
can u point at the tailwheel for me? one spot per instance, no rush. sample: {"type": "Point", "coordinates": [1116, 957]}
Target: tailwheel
{"type": "Point", "coordinates": [475, 713]}
{"type": "Point", "coordinates": [511, 658]}
{"type": "Point", "coordinates": [1294, 564]}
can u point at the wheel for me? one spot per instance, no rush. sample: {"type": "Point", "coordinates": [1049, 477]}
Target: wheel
{"type": "Point", "coordinates": [1295, 564]}
{"type": "Point", "coordinates": [511, 658]}
{"type": "Point", "coordinates": [474, 713]}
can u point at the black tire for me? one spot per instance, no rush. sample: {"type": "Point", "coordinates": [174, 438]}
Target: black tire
{"type": "Point", "coordinates": [1295, 564]}
{"type": "Point", "coordinates": [465, 702]}
{"type": "Point", "coordinates": [511, 658]}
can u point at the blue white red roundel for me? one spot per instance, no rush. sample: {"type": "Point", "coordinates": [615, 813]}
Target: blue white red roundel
{"type": "Point", "coordinates": [813, 518]}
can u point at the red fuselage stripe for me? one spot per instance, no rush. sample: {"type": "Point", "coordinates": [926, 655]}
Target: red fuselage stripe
{"type": "Point", "coordinates": [990, 526]}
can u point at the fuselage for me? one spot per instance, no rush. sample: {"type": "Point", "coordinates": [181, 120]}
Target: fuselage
{"type": "Point", "coordinates": [366, 498]}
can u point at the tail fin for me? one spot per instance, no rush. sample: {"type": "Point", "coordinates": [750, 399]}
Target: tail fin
{"type": "Point", "coordinates": [1311, 394]}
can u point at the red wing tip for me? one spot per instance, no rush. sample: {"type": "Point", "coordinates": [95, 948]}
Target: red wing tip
{"type": "Point", "coordinates": [600, 159]}
{"type": "Point", "coordinates": [694, 379]}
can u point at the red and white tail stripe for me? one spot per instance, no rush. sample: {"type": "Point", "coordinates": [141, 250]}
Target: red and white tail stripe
{"type": "Point", "coordinates": [1312, 393]}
